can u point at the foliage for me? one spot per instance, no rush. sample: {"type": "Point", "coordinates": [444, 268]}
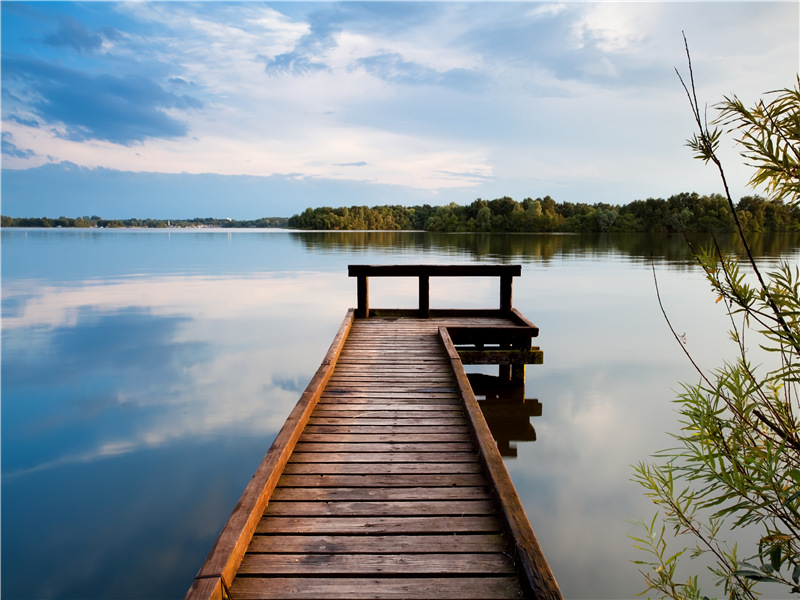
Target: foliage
{"type": "Point", "coordinates": [688, 212]}
{"type": "Point", "coordinates": [736, 465]}
{"type": "Point", "coordinates": [681, 212]}
{"type": "Point", "coordinates": [770, 136]}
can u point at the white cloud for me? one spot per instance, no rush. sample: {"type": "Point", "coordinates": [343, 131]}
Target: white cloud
{"type": "Point", "coordinates": [615, 26]}
{"type": "Point", "coordinates": [314, 150]}
{"type": "Point", "coordinates": [542, 103]}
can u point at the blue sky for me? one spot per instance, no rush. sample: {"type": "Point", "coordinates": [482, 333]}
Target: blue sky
{"type": "Point", "coordinates": [250, 109]}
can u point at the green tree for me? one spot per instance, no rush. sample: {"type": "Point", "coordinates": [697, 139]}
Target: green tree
{"type": "Point", "coordinates": [736, 464]}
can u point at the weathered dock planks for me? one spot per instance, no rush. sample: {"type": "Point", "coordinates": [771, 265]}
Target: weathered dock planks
{"type": "Point", "coordinates": [384, 482]}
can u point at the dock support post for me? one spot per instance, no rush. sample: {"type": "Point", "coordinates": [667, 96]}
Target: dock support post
{"type": "Point", "coordinates": [505, 292]}
{"type": "Point", "coordinates": [424, 296]}
{"type": "Point", "coordinates": [362, 292]}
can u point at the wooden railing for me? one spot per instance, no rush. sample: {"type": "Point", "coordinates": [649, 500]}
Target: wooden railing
{"type": "Point", "coordinates": [506, 273]}
{"type": "Point", "coordinates": [536, 577]}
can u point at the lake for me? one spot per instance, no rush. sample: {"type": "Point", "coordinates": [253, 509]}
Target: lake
{"type": "Point", "coordinates": [145, 374]}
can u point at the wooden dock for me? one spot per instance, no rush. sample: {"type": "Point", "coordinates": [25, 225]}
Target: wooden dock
{"type": "Point", "coordinates": [385, 481]}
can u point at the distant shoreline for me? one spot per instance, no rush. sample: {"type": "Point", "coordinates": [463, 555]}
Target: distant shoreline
{"type": "Point", "coordinates": [685, 212]}
{"type": "Point", "coordinates": [95, 222]}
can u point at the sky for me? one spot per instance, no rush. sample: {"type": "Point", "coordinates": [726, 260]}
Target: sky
{"type": "Point", "coordinates": [252, 109]}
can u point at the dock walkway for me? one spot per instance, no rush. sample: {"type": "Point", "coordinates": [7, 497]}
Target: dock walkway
{"type": "Point", "coordinates": [384, 482]}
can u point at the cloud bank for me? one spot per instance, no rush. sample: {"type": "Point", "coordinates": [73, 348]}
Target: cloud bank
{"type": "Point", "coordinates": [439, 98]}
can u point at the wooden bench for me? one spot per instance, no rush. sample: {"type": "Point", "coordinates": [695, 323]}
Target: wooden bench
{"type": "Point", "coordinates": [507, 346]}
{"type": "Point", "coordinates": [506, 273]}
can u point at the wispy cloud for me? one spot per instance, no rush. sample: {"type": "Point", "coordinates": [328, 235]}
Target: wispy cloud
{"type": "Point", "coordinates": [119, 109]}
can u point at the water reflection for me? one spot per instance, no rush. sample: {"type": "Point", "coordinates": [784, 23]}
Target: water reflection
{"type": "Point", "coordinates": [144, 375]}
{"type": "Point", "coordinates": [506, 410]}
{"type": "Point", "coordinates": [162, 349]}
{"type": "Point", "coordinates": [134, 411]}
{"type": "Point", "coordinates": [508, 248]}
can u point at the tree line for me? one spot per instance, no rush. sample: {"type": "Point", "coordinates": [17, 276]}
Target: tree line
{"type": "Point", "coordinates": [689, 212]}
{"type": "Point", "coordinates": [95, 221]}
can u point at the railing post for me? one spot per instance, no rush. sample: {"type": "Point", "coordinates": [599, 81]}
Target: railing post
{"type": "Point", "coordinates": [424, 296]}
{"type": "Point", "coordinates": [362, 291]}
{"type": "Point", "coordinates": [505, 292]}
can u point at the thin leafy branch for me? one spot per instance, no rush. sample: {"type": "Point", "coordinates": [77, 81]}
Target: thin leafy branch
{"type": "Point", "coordinates": [705, 144]}
{"type": "Point", "coordinates": [736, 463]}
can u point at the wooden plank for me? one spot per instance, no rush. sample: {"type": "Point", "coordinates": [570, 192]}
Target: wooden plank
{"type": "Point", "coordinates": [454, 430]}
{"type": "Point", "coordinates": [385, 447]}
{"type": "Point", "coordinates": [392, 437]}
{"type": "Point", "coordinates": [439, 313]}
{"type": "Point", "coordinates": [415, 420]}
{"type": "Point", "coordinates": [393, 357]}
{"type": "Point", "coordinates": [387, 508]}
{"type": "Point", "coordinates": [471, 334]}
{"type": "Point", "coordinates": [378, 544]}
{"type": "Point", "coordinates": [382, 493]}
{"type": "Point", "coordinates": [415, 477]}
{"type": "Point", "coordinates": [394, 373]}
{"type": "Point", "coordinates": [502, 357]}
{"type": "Point", "coordinates": [506, 292]}
{"type": "Point", "coordinates": [406, 355]}
{"type": "Point", "coordinates": [387, 413]}
{"type": "Point", "coordinates": [226, 554]}
{"type": "Point", "coordinates": [434, 270]}
{"type": "Point", "coordinates": [376, 397]}
{"type": "Point", "coordinates": [410, 389]}
{"type": "Point", "coordinates": [414, 350]}
{"type": "Point", "coordinates": [373, 588]}
{"type": "Point", "coordinates": [387, 402]}
{"type": "Point", "coordinates": [402, 383]}
{"type": "Point", "coordinates": [407, 371]}
{"type": "Point", "coordinates": [521, 319]}
{"type": "Point", "coordinates": [210, 588]}
{"type": "Point", "coordinates": [353, 456]}
{"type": "Point", "coordinates": [379, 525]}
{"type": "Point", "coordinates": [428, 460]}
{"type": "Point", "coordinates": [369, 565]}
{"type": "Point", "coordinates": [396, 343]}
{"type": "Point", "coordinates": [424, 296]}
{"type": "Point", "coordinates": [380, 380]}
{"type": "Point", "coordinates": [385, 406]}
{"type": "Point", "coordinates": [362, 296]}
{"type": "Point", "coordinates": [388, 361]}
{"type": "Point", "coordinates": [390, 469]}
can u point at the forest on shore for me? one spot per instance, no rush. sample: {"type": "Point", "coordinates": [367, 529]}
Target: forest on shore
{"type": "Point", "coordinates": [689, 212]}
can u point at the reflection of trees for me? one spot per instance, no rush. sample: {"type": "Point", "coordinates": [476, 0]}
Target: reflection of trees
{"type": "Point", "coordinates": [506, 410]}
{"type": "Point", "coordinates": [508, 247]}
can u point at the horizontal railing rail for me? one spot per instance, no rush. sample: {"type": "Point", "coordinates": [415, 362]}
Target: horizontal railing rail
{"type": "Point", "coordinates": [506, 273]}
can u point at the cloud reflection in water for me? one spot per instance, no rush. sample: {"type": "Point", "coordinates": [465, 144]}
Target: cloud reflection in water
{"type": "Point", "coordinates": [134, 363]}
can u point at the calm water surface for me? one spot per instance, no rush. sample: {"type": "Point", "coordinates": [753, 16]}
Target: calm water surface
{"type": "Point", "coordinates": [146, 373]}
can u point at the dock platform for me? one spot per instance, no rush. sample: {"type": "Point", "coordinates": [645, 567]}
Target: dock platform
{"type": "Point", "coordinates": [385, 481]}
